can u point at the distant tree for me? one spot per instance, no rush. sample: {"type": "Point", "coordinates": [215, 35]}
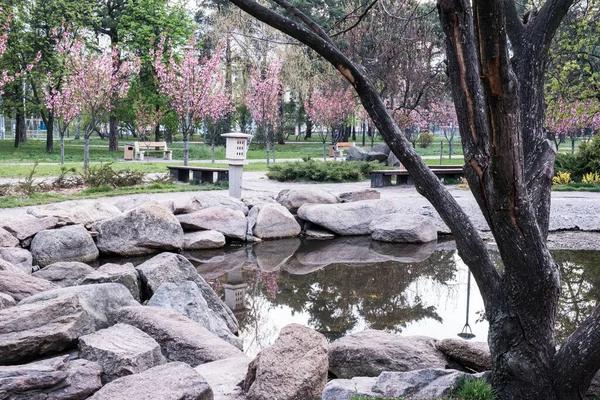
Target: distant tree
{"type": "Point", "coordinates": [569, 119]}
{"type": "Point", "coordinates": [443, 116]}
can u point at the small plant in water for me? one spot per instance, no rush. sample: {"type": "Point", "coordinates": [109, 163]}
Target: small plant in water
{"type": "Point", "coordinates": [474, 389]}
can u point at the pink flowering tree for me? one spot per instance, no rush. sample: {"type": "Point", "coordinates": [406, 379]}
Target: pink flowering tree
{"type": "Point", "coordinates": [264, 101]}
{"type": "Point", "coordinates": [329, 109]}
{"type": "Point", "coordinates": [98, 77]}
{"type": "Point", "coordinates": [147, 117]}
{"type": "Point", "coordinates": [568, 119]}
{"type": "Point", "coordinates": [195, 88]}
{"type": "Point", "coordinates": [443, 115]}
{"type": "Point", "coordinates": [412, 122]}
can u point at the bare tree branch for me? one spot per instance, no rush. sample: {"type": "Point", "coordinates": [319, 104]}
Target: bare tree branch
{"type": "Point", "coordinates": [360, 18]}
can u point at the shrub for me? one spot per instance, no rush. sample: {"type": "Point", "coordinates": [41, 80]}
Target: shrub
{"type": "Point", "coordinates": [585, 161]}
{"type": "Point", "coordinates": [562, 178]}
{"type": "Point", "coordinates": [425, 139]}
{"type": "Point", "coordinates": [105, 175]}
{"type": "Point", "coordinates": [321, 171]}
{"type": "Point", "coordinates": [474, 389]}
{"type": "Point", "coordinates": [592, 178]}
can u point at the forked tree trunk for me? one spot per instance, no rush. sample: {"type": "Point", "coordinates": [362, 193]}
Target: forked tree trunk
{"type": "Point", "coordinates": [509, 166]}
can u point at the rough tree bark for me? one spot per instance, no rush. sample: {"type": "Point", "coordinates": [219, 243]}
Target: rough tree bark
{"type": "Point", "coordinates": [509, 166]}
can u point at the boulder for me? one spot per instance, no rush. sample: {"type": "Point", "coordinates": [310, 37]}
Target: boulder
{"type": "Point", "coordinates": [419, 384]}
{"type": "Point", "coordinates": [318, 234]}
{"type": "Point", "coordinates": [55, 378]}
{"type": "Point", "coordinates": [370, 352]}
{"type": "Point", "coordinates": [225, 377]}
{"type": "Point", "coordinates": [293, 368]}
{"type": "Point", "coordinates": [6, 301]}
{"type": "Point", "coordinates": [348, 389]}
{"type": "Point", "coordinates": [64, 274]}
{"type": "Point", "coordinates": [403, 228]}
{"type": "Point", "coordinates": [344, 219]}
{"type": "Point", "coordinates": [356, 153]}
{"type": "Point", "coordinates": [202, 240]}
{"type": "Point", "coordinates": [405, 252]}
{"type": "Point", "coordinates": [472, 355]}
{"type": "Point", "coordinates": [377, 156]}
{"type": "Point", "coordinates": [186, 299]}
{"type": "Point", "coordinates": [393, 161]}
{"type": "Point", "coordinates": [180, 338]}
{"type": "Point", "coordinates": [70, 243]}
{"type": "Point", "coordinates": [26, 226]}
{"type": "Point", "coordinates": [20, 285]}
{"type": "Point", "coordinates": [231, 223]}
{"type": "Point", "coordinates": [120, 350]}
{"type": "Point", "coordinates": [145, 229]}
{"type": "Point", "coordinates": [381, 148]}
{"type": "Point", "coordinates": [212, 264]}
{"type": "Point", "coordinates": [272, 255]}
{"type": "Point", "coordinates": [75, 212]}
{"type": "Point", "coordinates": [174, 268]}
{"type": "Point", "coordinates": [208, 200]}
{"type": "Point", "coordinates": [293, 199]}
{"type": "Point", "coordinates": [6, 266]}
{"type": "Point", "coordinates": [18, 257]}
{"type": "Point", "coordinates": [172, 381]}
{"type": "Point", "coordinates": [272, 221]}
{"type": "Point", "coordinates": [52, 321]}
{"type": "Point", "coordinates": [257, 199]}
{"type": "Point", "coordinates": [360, 195]}
{"type": "Point", "coordinates": [7, 240]}
{"type": "Point", "coordinates": [125, 274]}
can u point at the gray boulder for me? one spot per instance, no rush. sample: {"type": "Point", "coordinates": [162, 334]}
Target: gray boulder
{"type": "Point", "coordinates": [225, 377]}
{"type": "Point", "coordinates": [6, 266]}
{"type": "Point", "coordinates": [55, 378]}
{"type": "Point", "coordinates": [370, 352]}
{"type": "Point", "coordinates": [186, 299]}
{"type": "Point", "coordinates": [125, 274]}
{"type": "Point", "coordinates": [360, 195]}
{"type": "Point", "coordinates": [208, 200]}
{"type": "Point", "coordinates": [180, 338]}
{"type": "Point", "coordinates": [381, 148]}
{"type": "Point", "coordinates": [419, 384]}
{"type": "Point", "coordinates": [393, 161]}
{"type": "Point", "coordinates": [344, 219]}
{"type": "Point", "coordinates": [347, 389]}
{"type": "Point", "coordinates": [18, 257]}
{"type": "Point", "coordinates": [64, 274]}
{"type": "Point", "coordinates": [318, 234]}
{"type": "Point", "coordinates": [145, 229]}
{"type": "Point", "coordinates": [174, 268]}
{"type": "Point", "coordinates": [120, 350]}
{"type": "Point", "coordinates": [377, 156]}
{"type": "Point", "coordinates": [19, 285]}
{"type": "Point", "coordinates": [202, 240]}
{"type": "Point", "coordinates": [472, 355]}
{"type": "Point", "coordinates": [26, 226]}
{"type": "Point", "coordinates": [293, 199]}
{"type": "Point", "coordinates": [272, 255]}
{"type": "Point", "coordinates": [356, 153]}
{"type": "Point", "coordinates": [272, 221]}
{"type": "Point", "coordinates": [7, 240]}
{"type": "Point", "coordinates": [52, 321]}
{"type": "Point", "coordinates": [70, 243]}
{"type": "Point", "coordinates": [231, 223]}
{"type": "Point", "coordinates": [403, 228]}
{"type": "Point", "coordinates": [293, 368]}
{"type": "Point", "coordinates": [172, 381]}
{"type": "Point", "coordinates": [75, 212]}
{"type": "Point", "coordinates": [6, 301]}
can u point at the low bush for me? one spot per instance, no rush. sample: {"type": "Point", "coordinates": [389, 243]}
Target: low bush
{"type": "Point", "coordinates": [587, 160]}
{"type": "Point", "coordinates": [321, 171]}
{"type": "Point", "coordinates": [468, 388]}
{"type": "Point", "coordinates": [562, 178]}
{"type": "Point", "coordinates": [425, 139]}
{"type": "Point", "coordinates": [591, 178]}
{"type": "Point", "coordinates": [106, 175]}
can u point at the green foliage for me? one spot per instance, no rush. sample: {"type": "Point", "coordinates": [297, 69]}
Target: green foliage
{"type": "Point", "coordinates": [321, 171]}
{"type": "Point", "coordinates": [468, 388]}
{"type": "Point", "coordinates": [587, 160]}
{"type": "Point", "coordinates": [98, 189]}
{"type": "Point", "coordinates": [105, 175]}
{"type": "Point", "coordinates": [562, 178]}
{"type": "Point", "coordinates": [425, 139]}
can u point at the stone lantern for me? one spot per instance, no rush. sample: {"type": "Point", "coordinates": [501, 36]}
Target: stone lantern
{"type": "Point", "coordinates": [236, 148]}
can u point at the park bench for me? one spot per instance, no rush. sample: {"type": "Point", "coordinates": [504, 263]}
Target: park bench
{"type": "Point", "coordinates": [340, 146]}
{"type": "Point", "coordinates": [383, 178]}
{"type": "Point", "coordinates": [199, 174]}
{"type": "Point", "coordinates": [141, 148]}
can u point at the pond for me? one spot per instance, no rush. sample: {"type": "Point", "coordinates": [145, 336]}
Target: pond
{"type": "Point", "coordinates": [348, 284]}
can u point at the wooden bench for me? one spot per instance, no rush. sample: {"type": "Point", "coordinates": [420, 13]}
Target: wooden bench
{"type": "Point", "coordinates": [383, 178]}
{"type": "Point", "coordinates": [141, 148]}
{"type": "Point", "coordinates": [339, 145]}
{"type": "Point", "coordinates": [199, 174]}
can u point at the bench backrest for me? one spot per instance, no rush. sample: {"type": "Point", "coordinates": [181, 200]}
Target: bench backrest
{"type": "Point", "coordinates": [149, 145]}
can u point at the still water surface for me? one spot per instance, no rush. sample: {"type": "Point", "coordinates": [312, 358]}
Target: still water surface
{"type": "Point", "coordinates": [349, 284]}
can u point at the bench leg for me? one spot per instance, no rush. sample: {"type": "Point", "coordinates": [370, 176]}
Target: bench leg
{"type": "Point", "coordinates": [182, 175]}
{"type": "Point", "coordinates": [168, 155]}
{"type": "Point", "coordinates": [380, 180]}
{"type": "Point", "coordinates": [222, 176]}
{"type": "Point", "coordinates": [402, 179]}
{"type": "Point", "coordinates": [140, 155]}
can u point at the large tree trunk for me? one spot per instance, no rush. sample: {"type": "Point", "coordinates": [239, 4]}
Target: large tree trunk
{"type": "Point", "coordinates": [113, 138]}
{"type": "Point", "coordinates": [48, 119]}
{"type": "Point", "coordinates": [20, 128]}
{"type": "Point", "coordinates": [509, 166]}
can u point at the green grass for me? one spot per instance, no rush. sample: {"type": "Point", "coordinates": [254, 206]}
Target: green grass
{"type": "Point", "coordinates": [576, 187]}
{"type": "Point", "coordinates": [102, 191]}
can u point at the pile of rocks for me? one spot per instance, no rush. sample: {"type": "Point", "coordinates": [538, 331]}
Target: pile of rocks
{"type": "Point", "coordinates": [380, 153]}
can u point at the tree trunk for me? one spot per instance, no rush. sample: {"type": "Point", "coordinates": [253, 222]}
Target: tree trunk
{"type": "Point", "coordinates": [309, 127]}
{"type": "Point", "coordinates": [86, 151]}
{"type": "Point", "coordinates": [113, 128]}
{"type": "Point", "coordinates": [49, 121]}
{"type": "Point", "coordinates": [157, 134]}
{"type": "Point", "coordinates": [62, 148]}
{"type": "Point", "coordinates": [186, 146]}
{"type": "Point", "coordinates": [20, 128]}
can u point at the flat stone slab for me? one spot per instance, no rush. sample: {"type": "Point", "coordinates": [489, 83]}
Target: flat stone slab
{"type": "Point", "coordinates": [172, 381]}
{"type": "Point", "coordinates": [20, 285]}
{"type": "Point", "coordinates": [64, 274]}
{"type": "Point", "coordinates": [121, 350]}
{"type": "Point", "coordinates": [125, 274]}
{"type": "Point", "coordinates": [225, 376]}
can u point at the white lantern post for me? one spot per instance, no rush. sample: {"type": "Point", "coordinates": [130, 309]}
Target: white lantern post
{"type": "Point", "coordinates": [235, 152]}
